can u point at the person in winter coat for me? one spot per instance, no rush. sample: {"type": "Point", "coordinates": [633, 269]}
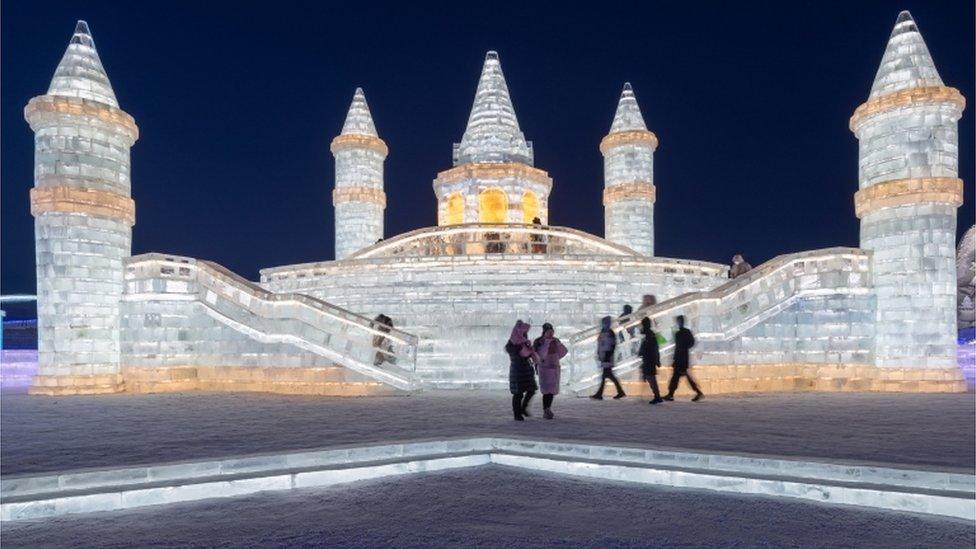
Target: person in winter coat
{"type": "Point", "coordinates": [549, 350]}
{"type": "Point", "coordinates": [739, 266]}
{"type": "Point", "coordinates": [382, 344]}
{"type": "Point", "coordinates": [683, 342]}
{"type": "Point", "coordinates": [606, 347]}
{"type": "Point", "coordinates": [650, 354]}
{"type": "Point", "coordinates": [521, 375]}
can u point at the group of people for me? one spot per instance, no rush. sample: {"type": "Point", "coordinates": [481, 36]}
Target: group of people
{"type": "Point", "coordinates": [650, 354]}
{"type": "Point", "coordinates": [542, 357]}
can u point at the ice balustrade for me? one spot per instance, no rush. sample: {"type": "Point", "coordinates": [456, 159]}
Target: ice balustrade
{"type": "Point", "coordinates": [503, 238]}
{"type": "Point", "coordinates": [726, 311]}
{"type": "Point", "coordinates": [348, 339]}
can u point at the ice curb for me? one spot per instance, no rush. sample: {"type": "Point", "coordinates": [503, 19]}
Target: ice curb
{"type": "Point", "coordinates": [921, 491]}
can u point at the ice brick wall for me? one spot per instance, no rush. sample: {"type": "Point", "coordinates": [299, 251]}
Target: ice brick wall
{"type": "Point", "coordinates": [909, 192]}
{"type": "Point", "coordinates": [358, 197]}
{"type": "Point", "coordinates": [179, 311]}
{"type": "Point", "coordinates": [628, 174]}
{"type": "Point", "coordinates": [83, 218]}
{"type": "Point", "coordinates": [463, 307]}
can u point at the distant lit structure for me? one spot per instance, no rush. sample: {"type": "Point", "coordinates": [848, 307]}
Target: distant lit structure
{"type": "Point", "coordinates": [834, 319]}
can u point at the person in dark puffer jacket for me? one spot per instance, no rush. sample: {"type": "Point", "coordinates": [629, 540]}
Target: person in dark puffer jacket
{"type": "Point", "coordinates": [521, 372]}
{"type": "Point", "coordinates": [650, 353]}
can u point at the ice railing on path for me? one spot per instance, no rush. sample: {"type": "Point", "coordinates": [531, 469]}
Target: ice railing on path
{"type": "Point", "coordinates": [507, 239]}
{"type": "Point", "coordinates": [728, 310]}
{"type": "Point", "coordinates": [346, 338]}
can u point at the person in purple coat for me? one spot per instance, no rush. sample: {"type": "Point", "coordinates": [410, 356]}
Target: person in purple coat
{"type": "Point", "coordinates": [550, 350]}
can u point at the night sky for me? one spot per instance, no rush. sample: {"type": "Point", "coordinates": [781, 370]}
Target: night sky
{"type": "Point", "coordinates": [237, 104]}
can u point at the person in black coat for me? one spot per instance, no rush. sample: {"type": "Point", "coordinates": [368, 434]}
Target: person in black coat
{"type": "Point", "coordinates": [683, 342]}
{"type": "Point", "coordinates": [521, 373]}
{"type": "Point", "coordinates": [650, 355]}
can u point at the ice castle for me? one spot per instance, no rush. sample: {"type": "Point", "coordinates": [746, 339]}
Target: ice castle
{"type": "Point", "coordinates": [881, 317]}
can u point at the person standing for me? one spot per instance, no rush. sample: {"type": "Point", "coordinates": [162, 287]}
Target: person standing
{"type": "Point", "coordinates": [606, 348]}
{"type": "Point", "coordinates": [683, 342]}
{"type": "Point", "coordinates": [650, 353]}
{"type": "Point", "coordinates": [382, 344]}
{"type": "Point", "coordinates": [549, 350]}
{"type": "Point", "coordinates": [521, 376]}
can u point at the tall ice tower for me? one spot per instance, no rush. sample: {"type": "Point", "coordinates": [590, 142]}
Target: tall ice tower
{"type": "Point", "coordinates": [628, 177]}
{"type": "Point", "coordinates": [358, 196]}
{"type": "Point", "coordinates": [493, 180]}
{"type": "Point", "coordinates": [909, 191]}
{"type": "Point", "coordinates": [83, 217]}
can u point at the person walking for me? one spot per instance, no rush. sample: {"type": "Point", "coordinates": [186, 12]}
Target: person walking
{"type": "Point", "coordinates": [650, 353]}
{"type": "Point", "coordinates": [606, 349]}
{"type": "Point", "coordinates": [521, 375]}
{"type": "Point", "coordinates": [683, 342]}
{"type": "Point", "coordinates": [549, 350]}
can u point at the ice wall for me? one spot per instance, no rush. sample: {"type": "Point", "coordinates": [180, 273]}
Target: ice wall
{"type": "Point", "coordinates": [463, 304]}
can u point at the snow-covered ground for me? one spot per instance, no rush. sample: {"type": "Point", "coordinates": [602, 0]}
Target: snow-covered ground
{"type": "Point", "coordinates": [494, 506]}
{"type": "Point", "coordinates": [58, 433]}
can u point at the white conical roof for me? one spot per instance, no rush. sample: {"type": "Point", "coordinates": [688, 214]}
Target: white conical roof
{"type": "Point", "coordinates": [493, 133]}
{"type": "Point", "coordinates": [80, 73]}
{"type": "Point", "coordinates": [359, 121]}
{"type": "Point", "coordinates": [906, 63]}
{"type": "Point", "coordinates": [628, 116]}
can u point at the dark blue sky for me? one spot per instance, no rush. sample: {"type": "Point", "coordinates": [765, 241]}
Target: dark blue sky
{"type": "Point", "coordinates": [237, 104]}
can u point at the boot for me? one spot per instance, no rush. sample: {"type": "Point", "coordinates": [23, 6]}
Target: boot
{"type": "Point", "coordinates": [697, 397]}
{"type": "Point", "coordinates": [619, 395]}
{"type": "Point", "coordinates": [547, 413]}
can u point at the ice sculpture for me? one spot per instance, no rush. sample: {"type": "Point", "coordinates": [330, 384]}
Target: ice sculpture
{"type": "Point", "coordinates": [628, 175]}
{"type": "Point", "coordinates": [358, 196]}
{"type": "Point", "coordinates": [966, 279]}
{"type": "Point", "coordinates": [882, 317]}
{"type": "Point", "coordinates": [83, 217]}
{"type": "Point", "coordinates": [493, 180]}
{"type": "Point", "coordinates": [909, 191]}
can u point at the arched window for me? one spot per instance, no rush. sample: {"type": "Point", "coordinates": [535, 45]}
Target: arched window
{"type": "Point", "coordinates": [492, 206]}
{"type": "Point", "coordinates": [530, 207]}
{"type": "Point", "coordinates": [455, 209]}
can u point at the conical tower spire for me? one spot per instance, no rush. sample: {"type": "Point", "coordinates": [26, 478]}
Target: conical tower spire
{"type": "Point", "coordinates": [906, 62]}
{"type": "Point", "coordinates": [359, 121]}
{"type": "Point", "coordinates": [628, 116]}
{"type": "Point", "coordinates": [493, 133]}
{"type": "Point", "coordinates": [80, 73]}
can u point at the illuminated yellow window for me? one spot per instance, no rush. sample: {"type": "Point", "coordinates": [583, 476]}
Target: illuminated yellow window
{"type": "Point", "coordinates": [455, 209]}
{"type": "Point", "coordinates": [530, 207]}
{"type": "Point", "coordinates": [492, 206]}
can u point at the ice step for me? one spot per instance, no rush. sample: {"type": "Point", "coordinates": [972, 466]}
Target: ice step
{"type": "Point", "coordinates": [945, 493]}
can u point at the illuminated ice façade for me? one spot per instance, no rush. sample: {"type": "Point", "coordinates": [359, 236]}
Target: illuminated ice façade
{"type": "Point", "coordinates": [881, 317]}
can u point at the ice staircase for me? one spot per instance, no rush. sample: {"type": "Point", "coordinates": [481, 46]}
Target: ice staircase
{"type": "Point", "coordinates": [339, 336]}
{"type": "Point", "coordinates": [726, 312]}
